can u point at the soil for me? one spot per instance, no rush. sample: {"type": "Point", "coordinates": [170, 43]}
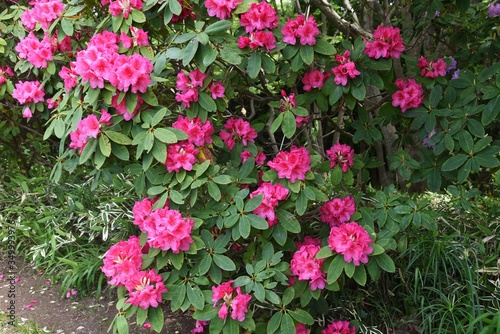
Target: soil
{"type": "Point", "coordinates": [37, 299]}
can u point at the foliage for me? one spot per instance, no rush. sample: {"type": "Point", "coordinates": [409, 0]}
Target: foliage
{"type": "Point", "coordinates": [116, 107]}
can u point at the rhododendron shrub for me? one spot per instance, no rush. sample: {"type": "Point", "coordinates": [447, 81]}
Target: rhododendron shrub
{"type": "Point", "coordinates": [263, 147]}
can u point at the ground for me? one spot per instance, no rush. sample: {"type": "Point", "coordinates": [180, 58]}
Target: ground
{"type": "Point", "coordinates": [37, 305]}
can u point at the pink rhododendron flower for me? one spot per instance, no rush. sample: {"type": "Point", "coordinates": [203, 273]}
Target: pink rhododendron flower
{"type": "Point", "coordinates": [272, 194]}
{"type": "Point", "coordinates": [387, 43]}
{"type": "Point", "coordinates": [71, 292]}
{"type": "Point", "coordinates": [105, 118]}
{"type": "Point", "coordinates": [346, 69]}
{"type": "Point", "coordinates": [35, 51]}
{"type": "Point", "coordinates": [43, 12]}
{"type": "Point", "coordinates": [339, 327]}
{"type": "Point", "coordinates": [258, 39]}
{"type": "Point", "coordinates": [167, 229]}
{"type": "Point", "coordinates": [180, 155]}
{"type": "Point", "coordinates": [217, 90]}
{"type": "Point", "coordinates": [199, 327]}
{"type": "Point", "coordinates": [187, 85]}
{"type": "Point", "coordinates": [288, 102]}
{"type": "Point", "coordinates": [69, 76]}
{"type": "Point", "coordinates": [237, 130]}
{"type": "Point", "coordinates": [304, 29]}
{"type": "Point", "coordinates": [260, 16]}
{"type": "Point", "coordinates": [122, 260]}
{"type": "Point", "coordinates": [4, 72]}
{"type": "Point", "coordinates": [337, 211]}
{"type": "Point", "coordinates": [141, 211]}
{"type": "Point", "coordinates": [432, 69]}
{"type": "Point", "coordinates": [27, 113]}
{"type": "Point", "coordinates": [301, 329]}
{"type": "Point", "coordinates": [410, 94]}
{"type": "Point", "coordinates": [352, 241]}
{"type": "Point", "coordinates": [145, 289]}
{"type": "Point", "coordinates": [121, 108]}
{"type": "Point", "coordinates": [199, 133]}
{"type": "Point", "coordinates": [292, 165]}
{"type": "Point", "coordinates": [314, 79]}
{"type": "Point", "coordinates": [221, 9]}
{"type": "Point", "coordinates": [117, 7]}
{"type": "Point", "coordinates": [28, 91]}
{"type": "Point", "coordinates": [342, 155]}
{"type": "Point", "coordinates": [306, 266]}
{"type": "Point", "coordinates": [87, 127]}
{"type": "Point", "coordinates": [238, 303]}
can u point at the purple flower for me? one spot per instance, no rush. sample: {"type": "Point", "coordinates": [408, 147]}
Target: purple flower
{"type": "Point", "coordinates": [494, 10]}
{"type": "Point", "coordinates": [453, 64]}
{"type": "Point", "coordinates": [426, 140]}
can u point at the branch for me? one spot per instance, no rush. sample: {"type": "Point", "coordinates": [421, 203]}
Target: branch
{"type": "Point", "coordinates": [341, 24]}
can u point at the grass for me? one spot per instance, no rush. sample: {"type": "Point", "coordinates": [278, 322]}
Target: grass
{"type": "Point", "coordinates": [23, 327]}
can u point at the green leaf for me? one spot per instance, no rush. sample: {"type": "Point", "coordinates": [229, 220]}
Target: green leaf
{"type": "Point", "coordinates": [435, 96]}
{"type": "Point", "coordinates": [463, 5]}
{"type": "Point", "coordinates": [244, 226]}
{"type": "Point", "coordinates": [254, 65]}
{"type": "Point", "coordinates": [349, 269]}
{"type": "Point", "coordinates": [206, 102]}
{"type": "Point", "coordinates": [302, 316]}
{"type": "Point", "coordinates": [454, 162]}
{"type": "Point", "coordinates": [307, 54]}
{"type": "Point", "coordinates": [230, 56]}
{"type": "Point", "coordinates": [138, 16]}
{"type": "Point", "coordinates": [359, 92]}
{"type": "Point", "coordinates": [335, 269]}
{"type": "Point", "coordinates": [209, 57]}
{"type": "Point", "coordinates": [222, 179]}
{"type": "Point", "coordinates": [258, 222]}
{"type": "Point", "coordinates": [118, 137]}
{"type": "Point", "coordinates": [213, 190]}
{"type": "Point", "coordinates": [150, 98]}
{"type": "Point", "coordinates": [360, 275]}
{"type": "Point", "coordinates": [218, 26]}
{"type": "Point", "coordinates": [289, 125]}
{"type": "Point", "coordinates": [288, 221]}
{"type": "Point", "coordinates": [491, 112]}
{"type": "Point", "coordinates": [336, 176]}
{"type": "Point", "coordinates": [189, 51]}
{"type": "Point", "coordinates": [475, 128]}
{"type": "Point", "coordinates": [324, 252]}
{"type": "Point", "coordinates": [121, 324]}
{"type": "Point", "coordinates": [277, 122]}
{"type": "Point", "coordinates": [465, 140]}
{"type": "Point", "coordinates": [224, 262]}
{"type": "Point", "coordinates": [67, 26]}
{"type": "Point", "coordinates": [165, 135]}
{"type": "Point", "coordinates": [175, 7]}
{"type": "Point", "coordinates": [176, 196]}
{"type": "Point", "coordinates": [195, 296]}
{"type": "Point", "coordinates": [301, 204]}
{"type": "Point", "coordinates": [88, 150]}
{"type": "Point", "coordinates": [324, 47]}
{"type": "Point", "coordinates": [155, 318]}
{"type": "Point", "coordinates": [253, 203]}
{"type": "Point", "coordinates": [104, 146]}
{"type": "Point", "coordinates": [287, 325]}
{"type": "Point", "coordinates": [274, 323]}
{"type": "Point", "coordinates": [385, 263]}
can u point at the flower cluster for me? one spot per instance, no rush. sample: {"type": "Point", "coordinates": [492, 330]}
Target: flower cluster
{"type": "Point", "coordinates": [187, 86]}
{"type": "Point", "coordinates": [387, 43]}
{"type": "Point", "coordinates": [238, 303]}
{"type": "Point", "coordinates": [181, 155]}
{"type": "Point", "coordinates": [87, 127]}
{"type": "Point", "coordinates": [260, 17]}
{"type": "Point", "coordinates": [117, 7]}
{"type": "Point", "coordinates": [43, 12]}
{"type": "Point", "coordinates": [166, 229]}
{"type": "Point", "coordinates": [122, 260]}
{"type": "Point", "coordinates": [352, 241]}
{"type": "Point", "coordinates": [199, 133]}
{"type": "Point", "coordinates": [292, 165]}
{"type": "Point", "coordinates": [139, 38]}
{"type": "Point", "coordinates": [4, 72]}
{"type": "Point", "coordinates": [69, 77]}
{"type": "Point", "coordinates": [494, 10]}
{"type": "Point", "coordinates": [221, 9]}
{"type": "Point", "coordinates": [306, 266]}
{"type": "Point", "coordinates": [342, 155]}
{"type": "Point", "coordinates": [237, 130]}
{"type": "Point", "coordinates": [432, 69]}
{"type": "Point", "coordinates": [337, 211]}
{"type": "Point", "coordinates": [314, 79]}
{"type": "Point", "coordinates": [101, 62]}
{"type": "Point", "coordinates": [410, 94]}
{"type": "Point", "coordinates": [272, 194]}
{"type": "Point", "coordinates": [260, 158]}
{"type": "Point", "coordinates": [345, 70]}
{"type": "Point", "coordinates": [28, 91]}
{"type": "Point", "coordinates": [304, 29]}
{"type": "Point", "coordinates": [339, 327]}
{"type": "Point", "coordinates": [122, 263]}
{"type": "Point", "coordinates": [35, 51]}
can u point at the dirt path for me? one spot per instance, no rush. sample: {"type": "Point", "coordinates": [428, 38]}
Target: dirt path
{"type": "Point", "coordinates": [37, 299]}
